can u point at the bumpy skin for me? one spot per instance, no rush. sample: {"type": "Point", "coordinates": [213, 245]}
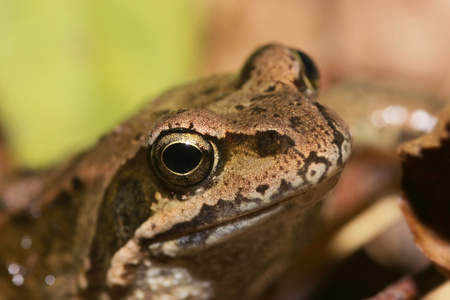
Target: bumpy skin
{"type": "Point", "coordinates": [107, 224]}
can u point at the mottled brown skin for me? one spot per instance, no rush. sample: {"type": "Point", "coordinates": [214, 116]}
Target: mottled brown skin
{"type": "Point", "coordinates": [107, 225]}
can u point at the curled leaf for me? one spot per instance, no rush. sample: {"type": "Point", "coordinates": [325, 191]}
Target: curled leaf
{"type": "Point", "coordinates": [426, 186]}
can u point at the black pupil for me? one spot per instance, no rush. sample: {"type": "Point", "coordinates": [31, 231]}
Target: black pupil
{"type": "Point", "coordinates": [181, 157]}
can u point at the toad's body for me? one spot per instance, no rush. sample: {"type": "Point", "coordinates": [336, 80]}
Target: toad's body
{"type": "Point", "coordinates": [131, 219]}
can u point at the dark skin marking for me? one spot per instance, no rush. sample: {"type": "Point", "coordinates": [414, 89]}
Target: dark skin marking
{"type": "Point", "coordinates": [283, 189]}
{"type": "Point", "coordinates": [119, 218]}
{"type": "Point", "coordinates": [125, 206]}
{"type": "Point", "coordinates": [258, 98]}
{"type": "Point", "coordinates": [295, 122]}
{"type": "Point", "coordinates": [338, 136]}
{"type": "Point", "coordinates": [262, 188]}
{"type": "Point", "coordinates": [267, 143]}
{"type": "Point", "coordinates": [77, 184]}
{"type": "Point", "coordinates": [239, 107]}
{"type": "Point", "coordinates": [271, 143]}
{"type": "Point", "coordinates": [313, 158]}
{"type": "Point", "coordinates": [300, 85]}
{"type": "Point", "coordinates": [131, 209]}
{"type": "Point", "coordinates": [258, 110]}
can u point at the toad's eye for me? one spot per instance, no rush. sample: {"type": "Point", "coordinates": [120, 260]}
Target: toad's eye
{"type": "Point", "coordinates": [309, 73]}
{"type": "Point", "coordinates": [183, 158]}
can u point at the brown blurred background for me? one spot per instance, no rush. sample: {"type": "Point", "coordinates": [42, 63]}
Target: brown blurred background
{"type": "Point", "coordinates": [399, 40]}
{"type": "Point", "coordinates": [71, 70]}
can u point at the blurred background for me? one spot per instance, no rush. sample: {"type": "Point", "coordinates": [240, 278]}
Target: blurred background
{"type": "Point", "coordinates": [71, 70]}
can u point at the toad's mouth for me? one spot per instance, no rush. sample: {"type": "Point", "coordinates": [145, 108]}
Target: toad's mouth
{"type": "Point", "coordinates": [189, 236]}
{"type": "Point", "coordinates": [215, 233]}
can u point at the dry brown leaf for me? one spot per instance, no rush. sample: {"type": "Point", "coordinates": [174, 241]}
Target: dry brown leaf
{"type": "Point", "coordinates": [426, 185]}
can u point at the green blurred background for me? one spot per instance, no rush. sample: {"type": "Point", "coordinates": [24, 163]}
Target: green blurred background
{"type": "Point", "coordinates": [71, 70]}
